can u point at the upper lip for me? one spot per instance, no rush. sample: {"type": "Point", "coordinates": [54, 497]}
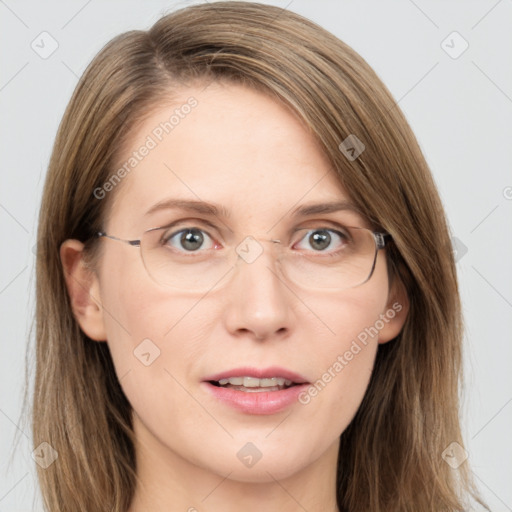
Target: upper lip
{"type": "Point", "coordinates": [260, 373]}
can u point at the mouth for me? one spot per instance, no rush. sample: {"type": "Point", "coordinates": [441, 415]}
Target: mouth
{"type": "Point", "coordinates": [258, 391]}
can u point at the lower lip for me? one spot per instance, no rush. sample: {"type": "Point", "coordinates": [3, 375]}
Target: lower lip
{"type": "Point", "coordinates": [257, 402]}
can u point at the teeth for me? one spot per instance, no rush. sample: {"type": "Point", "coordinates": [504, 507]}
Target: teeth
{"type": "Point", "coordinates": [253, 382]}
{"type": "Point", "coordinates": [255, 390]}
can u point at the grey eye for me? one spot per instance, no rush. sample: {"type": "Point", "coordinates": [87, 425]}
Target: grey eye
{"type": "Point", "coordinates": [320, 239]}
{"type": "Point", "coordinates": [190, 239]}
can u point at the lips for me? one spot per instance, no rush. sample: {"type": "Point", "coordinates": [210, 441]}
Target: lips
{"type": "Point", "coordinates": [256, 400]}
{"type": "Point", "coordinates": [259, 373]}
{"type": "Point", "coordinates": [260, 402]}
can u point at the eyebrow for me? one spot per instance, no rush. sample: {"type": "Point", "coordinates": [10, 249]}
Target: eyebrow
{"type": "Point", "coordinates": [221, 211]}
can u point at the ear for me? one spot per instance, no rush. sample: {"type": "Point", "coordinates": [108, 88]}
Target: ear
{"type": "Point", "coordinates": [395, 313]}
{"type": "Point", "coordinates": [83, 289]}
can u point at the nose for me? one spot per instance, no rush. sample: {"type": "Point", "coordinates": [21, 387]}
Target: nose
{"type": "Point", "coordinates": [259, 299]}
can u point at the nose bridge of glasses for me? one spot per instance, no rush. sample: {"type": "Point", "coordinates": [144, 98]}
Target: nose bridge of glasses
{"type": "Point", "coordinates": [252, 247]}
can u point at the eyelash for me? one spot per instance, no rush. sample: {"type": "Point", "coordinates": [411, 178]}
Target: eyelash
{"type": "Point", "coordinates": [165, 238]}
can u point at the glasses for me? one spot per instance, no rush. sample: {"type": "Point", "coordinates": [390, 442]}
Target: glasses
{"type": "Point", "coordinates": [176, 258]}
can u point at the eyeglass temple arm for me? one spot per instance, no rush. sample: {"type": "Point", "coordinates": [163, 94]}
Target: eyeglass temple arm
{"type": "Point", "coordinates": [135, 243]}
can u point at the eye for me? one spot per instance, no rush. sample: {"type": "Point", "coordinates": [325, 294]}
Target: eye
{"type": "Point", "coordinates": [321, 238]}
{"type": "Point", "coordinates": [189, 239]}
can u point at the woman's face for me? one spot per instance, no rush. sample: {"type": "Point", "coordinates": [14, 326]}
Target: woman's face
{"type": "Point", "coordinates": [237, 148]}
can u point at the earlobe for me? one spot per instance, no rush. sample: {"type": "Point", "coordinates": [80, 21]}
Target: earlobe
{"type": "Point", "coordinates": [83, 289]}
{"type": "Point", "coordinates": [395, 314]}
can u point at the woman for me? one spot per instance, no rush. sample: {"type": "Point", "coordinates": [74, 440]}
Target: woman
{"type": "Point", "coordinates": [246, 293]}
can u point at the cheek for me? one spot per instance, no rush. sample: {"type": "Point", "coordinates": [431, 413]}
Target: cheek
{"type": "Point", "coordinates": [135, 307]}
{"type": "Point", "coordinates": [155, 338]}
{"type": "Point", "coordinates": [344, 353]}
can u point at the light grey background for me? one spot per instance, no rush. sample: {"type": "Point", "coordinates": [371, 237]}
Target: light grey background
{"type": "Point", "coordinates": [459, 108]}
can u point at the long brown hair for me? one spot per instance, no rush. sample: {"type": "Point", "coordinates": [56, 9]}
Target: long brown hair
{"type": "Point", "coordinates": [390, 456]}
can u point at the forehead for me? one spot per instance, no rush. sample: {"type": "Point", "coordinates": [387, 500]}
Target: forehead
{"type": "Point", "coordinates": [236, 147]}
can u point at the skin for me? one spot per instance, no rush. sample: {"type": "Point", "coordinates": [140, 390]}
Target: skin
{"type": "Point", "coordinates": [241, 149]}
